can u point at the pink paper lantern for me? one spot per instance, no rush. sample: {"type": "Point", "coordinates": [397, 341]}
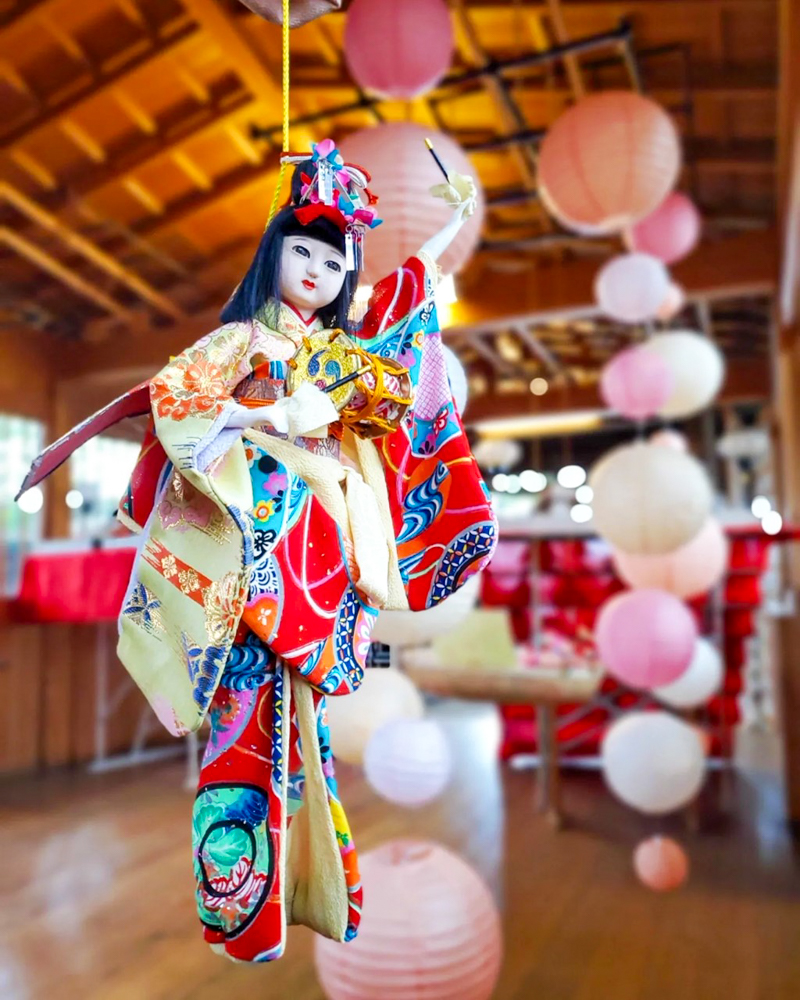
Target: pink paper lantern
{"type": "Point", "coordinates": [631, 287]}
{"type": "Point", "coordinates": [645, 638]}
{"type": "Point", "coordinates": [398, 49]}
{"type": "Point", "coordinates": [674, 301]}
{"type": "Point", "coordinates": [661, 864]}
{"type": "Point", "coordinates": [429, 928]}
{"type": "Point", "coordinates": [691, 570]}
{"type": "Point", "coordinates": [403, 172]}
{"type": "Point", "coordinates": [671, 232]}
{"type": "Point", "coordinates": [633, 386]}
{"type": "Point", "coordinates": [608, 161]}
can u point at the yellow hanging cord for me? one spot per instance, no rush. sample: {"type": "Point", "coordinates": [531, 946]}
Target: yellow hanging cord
{"type": "Point", "coordinates": [282, 173]}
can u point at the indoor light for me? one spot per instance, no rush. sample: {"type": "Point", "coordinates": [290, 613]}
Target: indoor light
{"type": "Point", "coordinates": [571, 477]}
{"type": "Point", "coordinates": [581, 513]}
{"type": "Point", "coordinates": [500, 482]}
{"type": "Point", "coordinates": [74, 499]}
{"type": "Point", "coordinates": [31, 501]}
{"type": "Point", "coordinates": [772, 522]}
{"type": "Point", "coordinates": [584, 494]}
{"type": "Point", "coordinates": [539, 386]}
{"type": "Point", "coordinates": [533, 482]}
{"type": "Point", "coordinates": [446, 294]}
{"type": "Point", "coordinates": [760, 507]}
{"type": "Point", "coordinates": [513, 485]}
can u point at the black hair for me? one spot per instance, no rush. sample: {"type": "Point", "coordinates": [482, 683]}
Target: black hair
{"type": "Point", "coordinates": [262, 281]}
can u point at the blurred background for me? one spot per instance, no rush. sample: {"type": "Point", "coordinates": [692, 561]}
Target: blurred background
{"type": "Point", "coordinates": [578, 779]}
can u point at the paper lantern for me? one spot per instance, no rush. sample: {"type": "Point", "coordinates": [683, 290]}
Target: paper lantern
{"type": "Point", "coordinates": [403, 172]}
{"type": "Point", "coordinates": [699, 683]}
{"type": "Point", "coordinates": [645, 638]}
{"type": "Point", "coordinates": [653, 762]}
{"type": "Point", "coordinates": [636, 383]}
{"type": "Point", "coordinates": [648, 499]}
{"type": "Point", "coordinates": [408, 761]}
{"type": "Point", "coordinates": [300, 12]}
{"type": "Point", "coordinates": [415, 628]}
{"type": "Point", "coordinates": [497, 453]}
{"type": "Point", "coordinates": [608, 161]}
{"type": "Point", "coordinates": [396, 49]}
{"type": "Point", "coordinates": [429, 928]}
{"type": "Point", "coordinates": [458, 379]}
{"type": "Point", "coordinates": [670, 232]}
{"type": "Point", "coordinates": [674, 301]}
{"type": "Point", "coordinates": [691, 570]}
{"type": "Point", "coordinates": [661, 864]}
{"type": "Point", "coordinates": [698, 370]}
{"type": "Point", "coordinates": [669, 438]}
{"type": "Point", "coordinates": [384, 695]}
{"type": "Point", "coordinates": [631, 287]}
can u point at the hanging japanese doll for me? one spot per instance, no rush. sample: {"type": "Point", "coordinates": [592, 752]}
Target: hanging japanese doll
{"type": "Point", "coordinates": [299, 474]}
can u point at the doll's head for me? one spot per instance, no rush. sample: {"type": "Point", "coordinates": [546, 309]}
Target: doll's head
{"type": "Point", "coordinates": [303, 255]}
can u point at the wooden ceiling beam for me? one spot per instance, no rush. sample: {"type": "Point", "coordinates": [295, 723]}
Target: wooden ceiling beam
{"type": "Point", "coordinates": [69, 100]}
{"type": "Point", "coordinates": [86, 248]}
{"type": "Point", "coordinates": [789, 164]}
{"type": "Point", "coordinates": [46, 262]}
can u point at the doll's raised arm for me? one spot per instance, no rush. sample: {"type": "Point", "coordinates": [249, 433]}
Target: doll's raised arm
{"type": "Point", "coordinates": [461, 194]}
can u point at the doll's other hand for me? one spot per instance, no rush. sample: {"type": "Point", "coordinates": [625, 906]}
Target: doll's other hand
{"type": "Point", "coordinates": [459, 193]}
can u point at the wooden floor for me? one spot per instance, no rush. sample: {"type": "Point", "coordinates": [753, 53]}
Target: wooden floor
{"type": "Point", "coordinates": [96, 894]}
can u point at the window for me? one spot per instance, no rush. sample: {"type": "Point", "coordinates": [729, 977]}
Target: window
{"type": "Point", "coordinates": [99, 473]}
{"type": "Point", "coordinates": [21, 440]}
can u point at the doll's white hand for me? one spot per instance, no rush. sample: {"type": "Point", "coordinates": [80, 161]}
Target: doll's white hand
{"type": "Point", "coordinates": [307, 412]}
{"type": "Point", "coordinates": [459, 193]}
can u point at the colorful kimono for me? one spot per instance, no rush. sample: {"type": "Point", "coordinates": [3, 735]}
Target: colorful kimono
{"type": "Point", "coordinates": [262, 566]}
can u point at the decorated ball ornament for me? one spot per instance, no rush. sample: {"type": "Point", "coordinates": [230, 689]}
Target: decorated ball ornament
{"type": "Point", "coordinates": [699, 682]}
{"type": "Point", "coordinates": [689, 571]}
{"type": "Point", "coordinates": [415, 628]}
{"type": "Point", "coordinates": [649, 500]}
{"type": "Point", "coordinates": [636, 383]}
{"type": "Point", "coordinates": [671, 232]}
{"type": "Point", "coordinates": [300, 11]}
{"type": "Point", "coordinates": [631, 287]}
{"type": "Point", "coordinates": [645, 638]}
{"type": "Point", "coordinates": [661, 864]}
{"type": "Point", "coordinates": [384, 695]}
{"type": "Point", "coordinates": [698, 370]}
{"type": "Point", "coordinates": [403, 172]}
{"type": "Point", "coordinates": [429, 928]}
{"type": "Point", "coordinates": [399, 50]}
{"type": "Point", "coordinates": [408, 762]}
{"type": "Point", "coordinates": [608, 161]}
{"type": "Point", "coordinates": [653, 762]}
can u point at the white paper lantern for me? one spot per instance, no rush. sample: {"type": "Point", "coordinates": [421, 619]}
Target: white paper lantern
{"type": "Point", "coordinates": [415, 628]}
{"type": "Point", "coordinates": [458, 379]}
{"type": "Point", "coordinates": [700, 682]}
{"type": "Point", "coordinates": [497, 453]}
{"type": "Point", "coordinates": [630, 288]}
{"type": "Point", "coordinates": [653, 762]}
{"type": "Point", "coordinates": [649, 500]}
{"type": "Point", "coordinates": [408, 761]}
{"type": "Point", "coordinates": [698, 370]}
{"type": "Point", "coordinates": [384, 695]}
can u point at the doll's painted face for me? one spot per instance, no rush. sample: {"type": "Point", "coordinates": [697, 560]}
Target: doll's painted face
{"type": "Point", "coordinates": [312, 273]}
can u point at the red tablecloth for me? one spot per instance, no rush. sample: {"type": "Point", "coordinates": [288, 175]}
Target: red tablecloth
{"type": "Point", "coordinates": [74, 586]}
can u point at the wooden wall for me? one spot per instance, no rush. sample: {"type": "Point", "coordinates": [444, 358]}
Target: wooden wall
{"type": "Point", "coordinates": [48, 696]}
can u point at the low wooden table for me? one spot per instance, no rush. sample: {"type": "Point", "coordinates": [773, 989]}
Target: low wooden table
{"type": "Point", "coordinates": [544, 689]}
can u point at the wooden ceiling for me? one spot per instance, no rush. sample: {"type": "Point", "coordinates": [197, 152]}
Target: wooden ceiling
{"type": "Point", "coordinates": [140, 139]}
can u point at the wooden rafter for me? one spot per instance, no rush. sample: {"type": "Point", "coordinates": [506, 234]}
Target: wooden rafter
{"type": "Point", "coordinates": [46, 262]}
{"type": "Point", "coordinates": [35, 213]}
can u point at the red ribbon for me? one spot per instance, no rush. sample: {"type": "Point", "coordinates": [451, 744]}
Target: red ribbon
{"type": "Point", "coordinates": [310, 213]}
